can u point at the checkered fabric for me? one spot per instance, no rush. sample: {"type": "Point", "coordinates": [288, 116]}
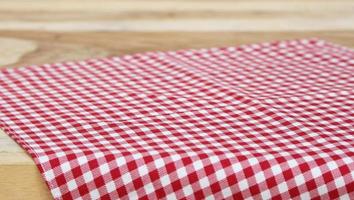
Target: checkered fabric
{"type": "Point", "coordinates": [264, 121]}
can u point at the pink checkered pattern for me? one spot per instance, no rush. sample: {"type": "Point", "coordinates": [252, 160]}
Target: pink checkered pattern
{"type": "Point", "coordinates": [264, 121]}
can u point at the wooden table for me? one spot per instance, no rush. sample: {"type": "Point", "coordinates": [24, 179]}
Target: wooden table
{"type": "Point", "coordinates": [35, 32]}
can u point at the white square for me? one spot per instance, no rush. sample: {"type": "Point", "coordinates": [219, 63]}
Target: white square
{"type": "Point", "coordinates": [243, 185]}
{"type": "Point", "coordinates": [159, 163]}
{"type": "Point", "coordinates": [259, 177]}
{"type": "Point", "coordinates": [339, 182]}
{"type": "Point", "coordinates": [111, 186]}
{"type": "Point", "coordinates": [94, 194]}
{"type": "Point", "coordinates": [65, 167]}
{"type": "Point", "coordinates": [43, 159]}
{"type": "Point", "coordinates": [198, 165]}
{"type": "Point", "coordinates": [276, 169]}
{"type": "Point", "coordinates": [204, 182]}
{"type": "Point", "coordinates": [332, 165]}
{"type": "Point", "coordinates": [49, 175]}
{"type": "Point", "coordinates": [143, 170]}
{"type": "Point", "coordinates": [181, 172]}
{"type": "Point", "coordinates": [283, 187]}
{"type": "Point", "coordinates": [226, 192]}
{"type": "Point", "coordinates": [104, 168]}
{"type": "Point", "coordinates": [120, 161]}
{"type": "Point", "coordinates": [322, 190]}
{"type": "Point", "coordinates": [266, 194]}
{"type": "Point", "coordinates": [126, 178]}
{"type": "Point", "coordinates": [299, 180]}
{"type": "Point", "coordinates": [72, 185]}
{"type": "Point", "coordinates": [253, 161]}
{"type": "Point", "coordinates": [82, 160]}
{"type": "Point", "coordinates": [220, 174]}
{"type": "Point", "coordinates": [210, 197]}
{"type": "Point", "coordinates": [165, 180]}
{"type": "Point", "coordinates": [60, 154]}
{"type": "Point", "coordinates": [305, 195]}
{"type": "Point", "coordinates": [149, 188]}
{"type": "Point", "coordinates": [236, 167]}
{"type": "Point", "coordinates": [345, 197]}
{"type": "Point", "coordinates": [292, 163]}
{"type": "Point", "coordinates": [171, 196]}
{"type": "Point", "coordinates": [316, 172]}
{"type": "Point", "coordinates": [133, 195]}
{"type": "Point", "coordinates": [137, 156]}
{"type": "Point", "coordinates": [88, 177]}
{"type": "Point", "coordinates": [188, 190]}
{"type": "Point", "coordinates": [56, 193]}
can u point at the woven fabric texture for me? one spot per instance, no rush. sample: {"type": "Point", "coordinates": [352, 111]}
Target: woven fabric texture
{"type": "Point", "coordinates": [263, 121]}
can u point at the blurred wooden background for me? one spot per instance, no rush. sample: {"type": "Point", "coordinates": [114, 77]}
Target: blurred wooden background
{"type": "Point", "coordinates": [45, 31]}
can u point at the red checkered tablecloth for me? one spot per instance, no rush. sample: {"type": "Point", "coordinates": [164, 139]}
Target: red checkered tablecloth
{"type": "Point", "coordinates": [263, 121]}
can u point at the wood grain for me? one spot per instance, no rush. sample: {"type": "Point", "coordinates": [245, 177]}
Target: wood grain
{"type": "Point", "coordinates": [40, 31]}
{"type": "Point", "coordinates": [19, 182]}
{"type": "Point", "coordinates": [12, 49]}
{"type": "Point", "coordinates": [176, 15]}
{"type": "Point", "coordinates": [55, 47]}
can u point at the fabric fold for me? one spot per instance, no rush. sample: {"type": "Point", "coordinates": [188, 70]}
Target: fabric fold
{"type": "Point", "coordinates": [263, 121]}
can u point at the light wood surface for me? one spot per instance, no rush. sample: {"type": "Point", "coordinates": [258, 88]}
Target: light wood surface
{"type": "Point", "coordinates": [38, 31]}
{"type": "Point", "coordinates": [177, 15]}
